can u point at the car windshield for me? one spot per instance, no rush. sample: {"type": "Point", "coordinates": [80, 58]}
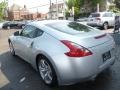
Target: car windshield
{"type": "Point", "coordinates": [95, 15]}
{"type": "Point", "coordinates": [70, 27]}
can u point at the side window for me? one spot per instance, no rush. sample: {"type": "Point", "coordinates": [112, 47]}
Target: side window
{"type": "Point", "coordinates": [107, 15]}
{"type": "Point", "coordinates": [28, 31]}
{"type": "Point", "coordinates": [39, 32]}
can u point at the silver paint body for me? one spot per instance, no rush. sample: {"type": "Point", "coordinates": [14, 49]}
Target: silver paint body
{"type": "Point", "coordinates": [69, 70]}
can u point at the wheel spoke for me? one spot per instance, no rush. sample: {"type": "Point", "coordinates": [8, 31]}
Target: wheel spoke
{"type": "Point", "coordinates": [43, 64]}
{"type": "Point", "coordinates": [49, 75]}
{"type": "Point", "coordinates": [42, 69]}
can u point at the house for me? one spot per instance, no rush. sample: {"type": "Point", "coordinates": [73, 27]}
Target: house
{"type": "Point", "coordinates": [56, 11]}
{"type": "Point", "coordinates": [15, 12]}
{"type": "Point", "coordinates": [88, 7]}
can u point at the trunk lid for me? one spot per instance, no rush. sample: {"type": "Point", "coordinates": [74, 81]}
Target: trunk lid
{"type": "Point", "coordinates": [92, 39]}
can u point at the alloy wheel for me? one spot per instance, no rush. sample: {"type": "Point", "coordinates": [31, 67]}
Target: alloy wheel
{"type": "Point", "coordinates": [45, 71]}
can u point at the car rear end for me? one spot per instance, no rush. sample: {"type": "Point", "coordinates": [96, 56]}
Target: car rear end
{"type": "Point", "coordinates": [88, 53]}
{"type": "Point", "coordinates": [85, 68]}
{"type": "Point", "coordinates": [95, 20]}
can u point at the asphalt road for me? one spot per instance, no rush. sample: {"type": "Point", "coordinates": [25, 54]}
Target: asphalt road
{"type": "Point", "coordinates": [16, 74]}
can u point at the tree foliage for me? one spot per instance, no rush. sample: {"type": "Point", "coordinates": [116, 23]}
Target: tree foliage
{"type": "Point", "coordinates": [94, 2]}
{"type": "Point", "coordinates": [117, 2]}
{"type": "Point", "coordinates": [74, 3]}
{"type": "Point", "coordinates": [77, 4]}
{"type": "Point", "coordinates": [2, 7]}
{"type": "Point", "coordinates": [70, 4]}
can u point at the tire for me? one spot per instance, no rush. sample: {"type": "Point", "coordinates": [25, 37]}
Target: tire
{"type": "Point", "coordinates": [46, 71]}
{"type": "Point", "coordinates": [105, 26]}
{"type": "Point", "coordinates": [12, 51]}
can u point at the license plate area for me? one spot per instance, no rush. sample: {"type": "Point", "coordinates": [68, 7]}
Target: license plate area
{"type": "Point", "coordinates": [106, 56]}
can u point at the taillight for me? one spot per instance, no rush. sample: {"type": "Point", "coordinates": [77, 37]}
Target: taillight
{"type": "Point", "coordinates": [98, 19]}
{"type": "Point", "coordinates": [76, 50]}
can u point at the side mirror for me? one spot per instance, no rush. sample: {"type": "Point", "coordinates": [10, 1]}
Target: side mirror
{"type": "Point", "coordinates": [16, 33]}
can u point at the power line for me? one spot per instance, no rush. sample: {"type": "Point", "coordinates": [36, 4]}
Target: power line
{"type": "Point", "coordinates": [44, 5]}
{"type": "Point", "coordinates": [39, 6]}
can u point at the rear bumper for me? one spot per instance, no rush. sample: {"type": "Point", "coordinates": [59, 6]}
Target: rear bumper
{"type": "Point", "coordinates": [106, 64]}
{"type": "Point", "coordinates": [80, 70]}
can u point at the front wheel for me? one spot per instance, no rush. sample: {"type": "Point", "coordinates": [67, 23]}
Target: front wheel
{"type": "Point", "coordinates": [46, 71]}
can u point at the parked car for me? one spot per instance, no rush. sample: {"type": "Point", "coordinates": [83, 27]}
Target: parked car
{"type": "Point", "coordinates": [1, 25]}
{"type": "Point", "coordinates": [101, 19]}
{"type": "Point", "coordinates": [21, 24]}
{"type": "Point", "coordinates": [63, 52]}
{"type": "Point", "coordinates": [10, 25]}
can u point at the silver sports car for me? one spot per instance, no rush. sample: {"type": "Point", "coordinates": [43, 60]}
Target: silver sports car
{"type": "Point", "coordinates": [63, 52]}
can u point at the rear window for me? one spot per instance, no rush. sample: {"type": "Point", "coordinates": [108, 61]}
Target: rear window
{"type": "Point", "coordinates": [95, 15]}
{"type": "Point", "coordinates": [70, 27]}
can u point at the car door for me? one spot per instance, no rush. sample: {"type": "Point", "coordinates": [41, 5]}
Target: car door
{"type": "Point", "coordinates": [11, 24]}
{"type": "Point", "coordinates": [25, 40]}
{"type": "Point", "coordinates": [31, 49]}
{"type": "Point", "coordinates": [111, 19]}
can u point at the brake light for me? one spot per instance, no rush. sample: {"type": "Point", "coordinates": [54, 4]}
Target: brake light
{"type": "Point", "coordinates": [101, 36]}
{"type": "Point", "coordinates": [76, 50]}
{"type": "Point", "coordinates": [98, 19]}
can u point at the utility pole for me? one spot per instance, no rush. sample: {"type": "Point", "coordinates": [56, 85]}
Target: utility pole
{"type": "Point", "coordinates": [57, 9]}
{"type": "Point", "coordinates": [37, 14]}
{"type": "Point", "coordinates": [98, 7]}
{"type": "Point", "coordinates": [64, 9]}
{"type": "Point", "coordinates": [50, 11]}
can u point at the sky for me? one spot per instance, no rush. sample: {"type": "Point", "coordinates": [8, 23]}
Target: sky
{"type": "Point", "coordinates": [33, 3]}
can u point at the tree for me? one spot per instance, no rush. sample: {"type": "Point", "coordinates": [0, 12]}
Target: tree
{"type": "Point", "coordinates": [77, 4]}
{"type": "Point", "coordinates": [97, 3]}
{"type": "Point", "coordinates": [2, 8]}
{"type": "Point", "coordinates": [117, 2]}
{"type": "Point", "coordinates": [70, 4]}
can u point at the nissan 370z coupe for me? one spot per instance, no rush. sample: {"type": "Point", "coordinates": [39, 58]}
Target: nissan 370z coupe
{"type": "Point", "coordinates": [63, 52]}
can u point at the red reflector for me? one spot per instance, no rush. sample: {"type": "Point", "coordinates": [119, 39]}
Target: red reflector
{"type": "Point", "coordinates": [97, 37]}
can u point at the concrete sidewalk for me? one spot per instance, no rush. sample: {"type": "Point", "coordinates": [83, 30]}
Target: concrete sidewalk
{"type": "Point", "coordinates": [108, 31]}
